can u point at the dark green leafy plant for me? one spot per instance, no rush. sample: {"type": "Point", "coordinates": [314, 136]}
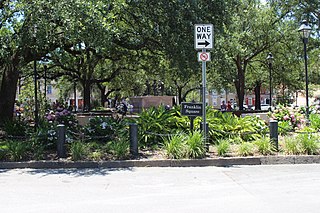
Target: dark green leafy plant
{"type": "Point", "coordinates": [79, 150]}
{"type": "Point", "coordinates": [119, 149]}
{"type": "Point", "coordinates": [153, 124]}
{"type": "Point", "coordinates": [18, 150]}
{"type": "Point", "coordinates": [15, 128]}
{"type": "Point", "coordinates": [105, 129]}
{"type": "Point", "coordinates": [227, 125]}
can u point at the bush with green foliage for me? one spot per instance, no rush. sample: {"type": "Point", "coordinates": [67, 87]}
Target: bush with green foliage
{"type": "Point", "coordinates": [291, 116]}
{"type": "Point", "coordinates": [291, 146]}
{"type": "Point", "coordinates": [226, 125]}
{"type": "Point", "coordinates": [119, 148]}
{"type": "Point", "coordinates": [314, 121]}
{"type": "Point", "coordinates": [175, 146]}
{"type": "Point", "coordinates": [18, 150]}
{"type": "Point", "coordinates": [246, 149]}
{"type": "Point", "coordinates": [223, 147]}
{"type": "Point", "coordinates": [78, 150]}
{"type": "Point", "coordinates": [309, 144]}
{"type": "Point", "coordinates": [16, 128]}
{"type": "Point", "coordinates": [264, 146]}
{"type": "Point", "coordinates": [195, 147]}
{"type": "Point", "coordinates": [153, 124]}
{"type": "Point", "coordinates": [103, 128]}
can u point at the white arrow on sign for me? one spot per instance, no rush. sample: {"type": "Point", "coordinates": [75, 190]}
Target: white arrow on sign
{"type": "Point", "coordinates": [203, 36]}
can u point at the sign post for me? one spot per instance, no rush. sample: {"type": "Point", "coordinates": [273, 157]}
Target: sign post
{"type": "Point", "coordinates": [203, 39]}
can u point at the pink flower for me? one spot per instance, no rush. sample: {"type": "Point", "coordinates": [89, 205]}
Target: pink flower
{"type": "Point", "coordinates": [286, 117]}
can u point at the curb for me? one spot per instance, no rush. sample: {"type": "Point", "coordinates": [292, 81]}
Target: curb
{"type": "Point", "coordinates": [222, 162]}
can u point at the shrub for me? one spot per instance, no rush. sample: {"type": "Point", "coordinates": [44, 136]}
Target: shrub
{"type": "Point", "coordinates": [195, 147]}
{"type": "Point", "coordinates": [245, 149]}
{"type": "Point", "coordinates": [103, 128]}
{"type": "Point", "coordinates": [96, 155]}
{"type": "Point", "coordinates": [15, 128]}
{"type": "Point", "coordinates": [223, 147]}
{"type": "Point", "coordinates": [284, 127]}
{"type": "Point", "coordinates": [293, 116]}
{"type": "Point", "coordinates": [152, 122]}
{"type": "Point", "coordinates": [119, 149]}
{"type": "Point", "coordinates": [309, 144]}
{"type": "Point", "coordinates": [291, 146]}
{"type": "Point", "coordinates": [227, 125]}
{"type": "Point", "coordinates": [315, 121]}
{"type": "Point", "coordinates": [78, 150]}
{"type": "Point", "coordinates": [17, 150]}
{"type": "Point", "coordinates": [175, 146]}
{"type": "Point", "coordinates": [264, 146]}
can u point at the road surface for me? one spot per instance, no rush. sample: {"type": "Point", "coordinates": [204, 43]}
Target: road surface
{"type": "Point", "coordinates": [256, 189]}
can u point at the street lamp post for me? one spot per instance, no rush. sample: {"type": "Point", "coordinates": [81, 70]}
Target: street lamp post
{"type": "Point", "coordinates": [35, 73]}
{"type": "Point", "coordinates": [45, 82]}
{"type": "Point", "coordinates": [270, 60]}
{"type": "Point", "coordinates": [305, 30]}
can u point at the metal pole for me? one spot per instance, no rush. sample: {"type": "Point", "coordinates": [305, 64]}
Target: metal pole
{"type": "Point", "coordinates": [36, 110]}
{"type": "Point", "coordinates": [305, 41]}
{"type": "Point", "coordinates": [274, 133]}
{"type": "Point", "coordinates": [61, 134]}
{"type": "Point", "coordinates": [45, 82]}
{"type": "Point", "coordinates": [133, 127]}
{"type": "Point", "coordinates": [204, 99]}
{"type": "Point", "coordinates": [75, 96]}
{"type": "Point", "coordinates": [270, 86]}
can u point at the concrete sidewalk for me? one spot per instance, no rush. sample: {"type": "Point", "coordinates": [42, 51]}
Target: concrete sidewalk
{"type": "Point", "coordinates": [263, 160]}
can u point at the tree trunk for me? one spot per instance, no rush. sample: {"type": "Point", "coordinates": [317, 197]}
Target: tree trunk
{"type": "Point", "coordinates": [86, 94]}
{"type": "Point", "coordinates": [8, 92]}
{"type": "Point", "coordinates": [180, 95]}
{"type": "Point", "coordinates": [240, 81]}
{"type": "Point", "coordinates": [103, 97]}
{"type": "Point", "coordinates": [257, 90]}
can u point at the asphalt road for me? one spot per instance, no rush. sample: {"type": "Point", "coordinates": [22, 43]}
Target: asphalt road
{"type": "Point", "coordinates": [258, 189]}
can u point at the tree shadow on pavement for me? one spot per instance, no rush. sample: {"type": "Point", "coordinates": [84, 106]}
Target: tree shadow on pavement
{"type": "Point", "coordinates": [83, 172]}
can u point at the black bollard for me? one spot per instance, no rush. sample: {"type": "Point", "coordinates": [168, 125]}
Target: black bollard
{"type": "Point", "coordinates": [133, 139]}
{"type": "Point", "coordinates": [61, 133]}
{"type": "Point", "coordinates": [274, 133]}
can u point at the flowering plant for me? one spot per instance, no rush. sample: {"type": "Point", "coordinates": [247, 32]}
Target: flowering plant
{"type": "Point", "coordinates": [289, 115]}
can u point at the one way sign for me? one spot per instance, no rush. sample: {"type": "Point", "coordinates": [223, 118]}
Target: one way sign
{"type": "Point", "coordinates": [203, 36]}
